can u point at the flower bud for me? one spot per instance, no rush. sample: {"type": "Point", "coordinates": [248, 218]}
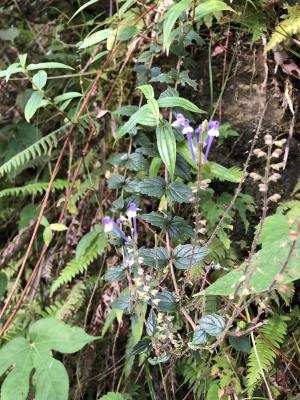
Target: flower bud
{"type": "Point", "coordinates": [259, 153]}
{"type": "Point", "coordinates": [263, 187]}
{"type": "Point", "coordinates": [276, 153]}
{"type": "Point", "coordinates": [268, 140]}
{"type": "Point", "coordinates": [275, 197]}
{"type": "Point", "coordinates": [277, 166]}
{"type": "Point", "coordinates": [274, 177]}
{"type": "Point", "coordinates": [255, 176]}
{"type": "Point", "coordinates": [279, 143]}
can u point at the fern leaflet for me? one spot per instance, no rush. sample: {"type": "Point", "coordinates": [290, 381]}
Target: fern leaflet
{"type": "Point", "coordinates": [274, 333]}
{"type": "Point", "coordinates": [34, 188]}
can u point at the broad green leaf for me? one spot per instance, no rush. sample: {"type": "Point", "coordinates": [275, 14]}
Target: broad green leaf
{"type": "Point", "coordinates": [170, 19]}
{"type": "Point", "coordinates": [167, 302]}
{"type": "Point", "coordinates": [265, 265]}
{"type": "Point", "coordinates": [51, 334]}
{"type": "Point", "coordinates": [154, 108]}
{"type": "Point", "coordinates": [122, 303]}
{"type": "Point", "coordinates": [186, 255]}
{"type": "Point", "coordinates": [33, 104]}
{"type": "Point", "coordinates": [80, 9]}
{"type": "Point", "coordinates": [180, 193]}
{"type": "Point", "coordinates": [46, 65]}
{"type": "Point", "coordinates": [166, 145]}
{"type": "Point", "coordinates": [95, 38]}
{"type": "Point", "coordinates": [210, 7]}
{"type": "Point", "coordinates": [52, 381]}
{"type": "Point", "coordinates": [16, 384]}
{"type": "Point", "coordinates": [3, 283]}
{"type": "Point", "coordinates": [147, 91]}
{"type": "Point", "coordinates": [200, 337]}
{"type": "Point", "coordinates": [39, 80]}
{"type": "Point", "coordinates": [212, 324]}
{"type": "Point", "coordinates": [13, 352]}
{"type": "Point", "coordinates": [154, 187]}
{"type": "Point", "coordinates": [116, 273]}
{"type": "Point", "coordinates": [155, 166]}
{"type": "Point", "coordinates": [141, 116]}
{"type": "Point", "coordinates": [88, 241]}
{"type": "Point", "coordinates": [179, 102]}
{"type": "Point", "coordinates": [156, 258]}
{"type": "Point", "coordinates": [67, 96]}
{"type": "Point", "coordinates": [142, 346]}
{"type": "Point", "coordinates": [12, 69]}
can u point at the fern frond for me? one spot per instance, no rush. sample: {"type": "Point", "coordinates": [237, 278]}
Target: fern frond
{"type": "Point", "coordinates": [79, 265]}
{"type": "Point", "coordinates": [286, 28]}
{"type": "Point", "coordinates": [73, 302]}
{"type": "Point", "coordinates": [37, 149]}
{"type": "Point", "coordinates": [34, 188]}
{"type": "Point", "coordinates": [272, 333]}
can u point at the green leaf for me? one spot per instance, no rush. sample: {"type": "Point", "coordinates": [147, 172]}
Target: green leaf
{"type": "Point", "coordinates": [12, 69]}
{"type": "Point", "coordinates": [212, 324]}
{"type": "Point", "coordinates": [127, 32]}
{"type": "Point", "coordinates": [180, 229]}
{"type": "Point", "coordinates": [143, 116]}
{"type": "Point", "coordinates": [112, 396]}
{"type": "Point", "coordinates": [33, 104]}
{"type": "Point", "coordinates": [200, 337]}
{"type": "Point", "coordinates": [151, 323]}
{"type": "Point", "coordinates": [147, 90]}
{"type": "Point", "coordinates": [155, 166]}
{"type": "Point", "coordinates": [22, 58]}
{"type": "Point", "coordinates": [266, 264]}
{"type": "Point", "coordinates": [46, 65]}
{"type": "Point", "coordinates": [154, 187]}
{"type": "Point", "coordinates": [58, 227]}
{"type": "Point", "coordinates": [232, 174]}
{"type": "Point", "coordinates": [3, 283]}
{"type": "Point", "coordinates": [180, 193]}
{"type": "Point", "coordinates": [157, 257]}
{"type": "Point", "coordinates": [52, 381]}
{"type": "Point", "coordinates": [188, 255]}
{"type": "Point", "coordinates": [16, 384]}
{"type": "Point", "coordinates": [141, 347]}
{"type": "Point", "coordinates": [166, 145]}
{"type": "Point", "coordinates": [39, 80]}
{"type": "Point", "coordinates": [167, 302]}
{"type": "Point", "coordinates": [116, 273]}
{"type": "Point", "coordinates": [66, 96]}
{"type": "Point", "coordinates": [240, 343]}
{"type": "Point", "coordinates": [80, 9]}
{"type": "Point", "coordinates": [170, 19]}
{"type": "Point", "coordinates": [175, 101]}
{"type": "Point", "coordinates": [116, 181]}
{"type": "Point", "coordinates": [210, 7]}
{"type": "Point", "coordinates": [9, 34]}
{"type": "Point", "coordinates": [52, 334]}
{"type": "Point", "coordinates": [87, 242]}
{"type": "Point", "coordinates": [47, 235]}
{"type": "Point", "coordinates": [136, 162]}
{"type": "Point", "coordinates": [95, 38]}
{"type": "Point", "coordinates": [154, 108]}
{"type": "Point", "coordinates": [13, 352]}
{"type": "Point", "coordinates": [122, 303]}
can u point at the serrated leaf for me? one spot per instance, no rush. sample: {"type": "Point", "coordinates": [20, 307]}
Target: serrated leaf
{"type": "Point", "coordinates": [179, 102]}
{"type": "Point", "coordinates": [32, 105]}
{"type": "Point", "coordinates": [180, 193]}
{"type": "Point", "coordinates": [116, 273]}
{"type": "Point", "coordinates": [170, 19]}
{"type": "Point", "coordinates": [154, 187]}
{"type": "Point", "coordinates": [136, 162]}
{"type": "Point", "coordinates": [210, 7]}
{"type": "Point", "coordinates": [166, 145]}
{"type": "Point", "coordinates": [115, 181]}
{"type": "Point", "coordinates": [188, 255]}
{"type": "Point", "coordinates": [122, 303]}
{"type": "Point", "coordinates": [167, 302]}
{"type": "Point", "coordinates": [39, 80]}
{"type": "Point", "coordinates": [141, 347]}
{"type": "Point", "coordinates": [212, 324]}
{"type": "Point", "coordinates": [95, 38]}
{"type": "Point", "coordinates": [233, 174]}
{"type": "Point", "coordinates": [157, 257]}
{"type": "Point", "coordinates": [200, 337]}
{"type": "Point", "coordinates": [180, 229]}
{"type": "Point", "coordinates": [46, 65]}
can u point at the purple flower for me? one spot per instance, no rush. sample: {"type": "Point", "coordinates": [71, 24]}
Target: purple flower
{"type": "Point", "coordinates": [213, 131]}
{"type": "Point", "coordinates": [131, 213]}
{"type": "Point", "coordinates": [110, 225]}
{"type": "Point", "coordinates": [187, 130]}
